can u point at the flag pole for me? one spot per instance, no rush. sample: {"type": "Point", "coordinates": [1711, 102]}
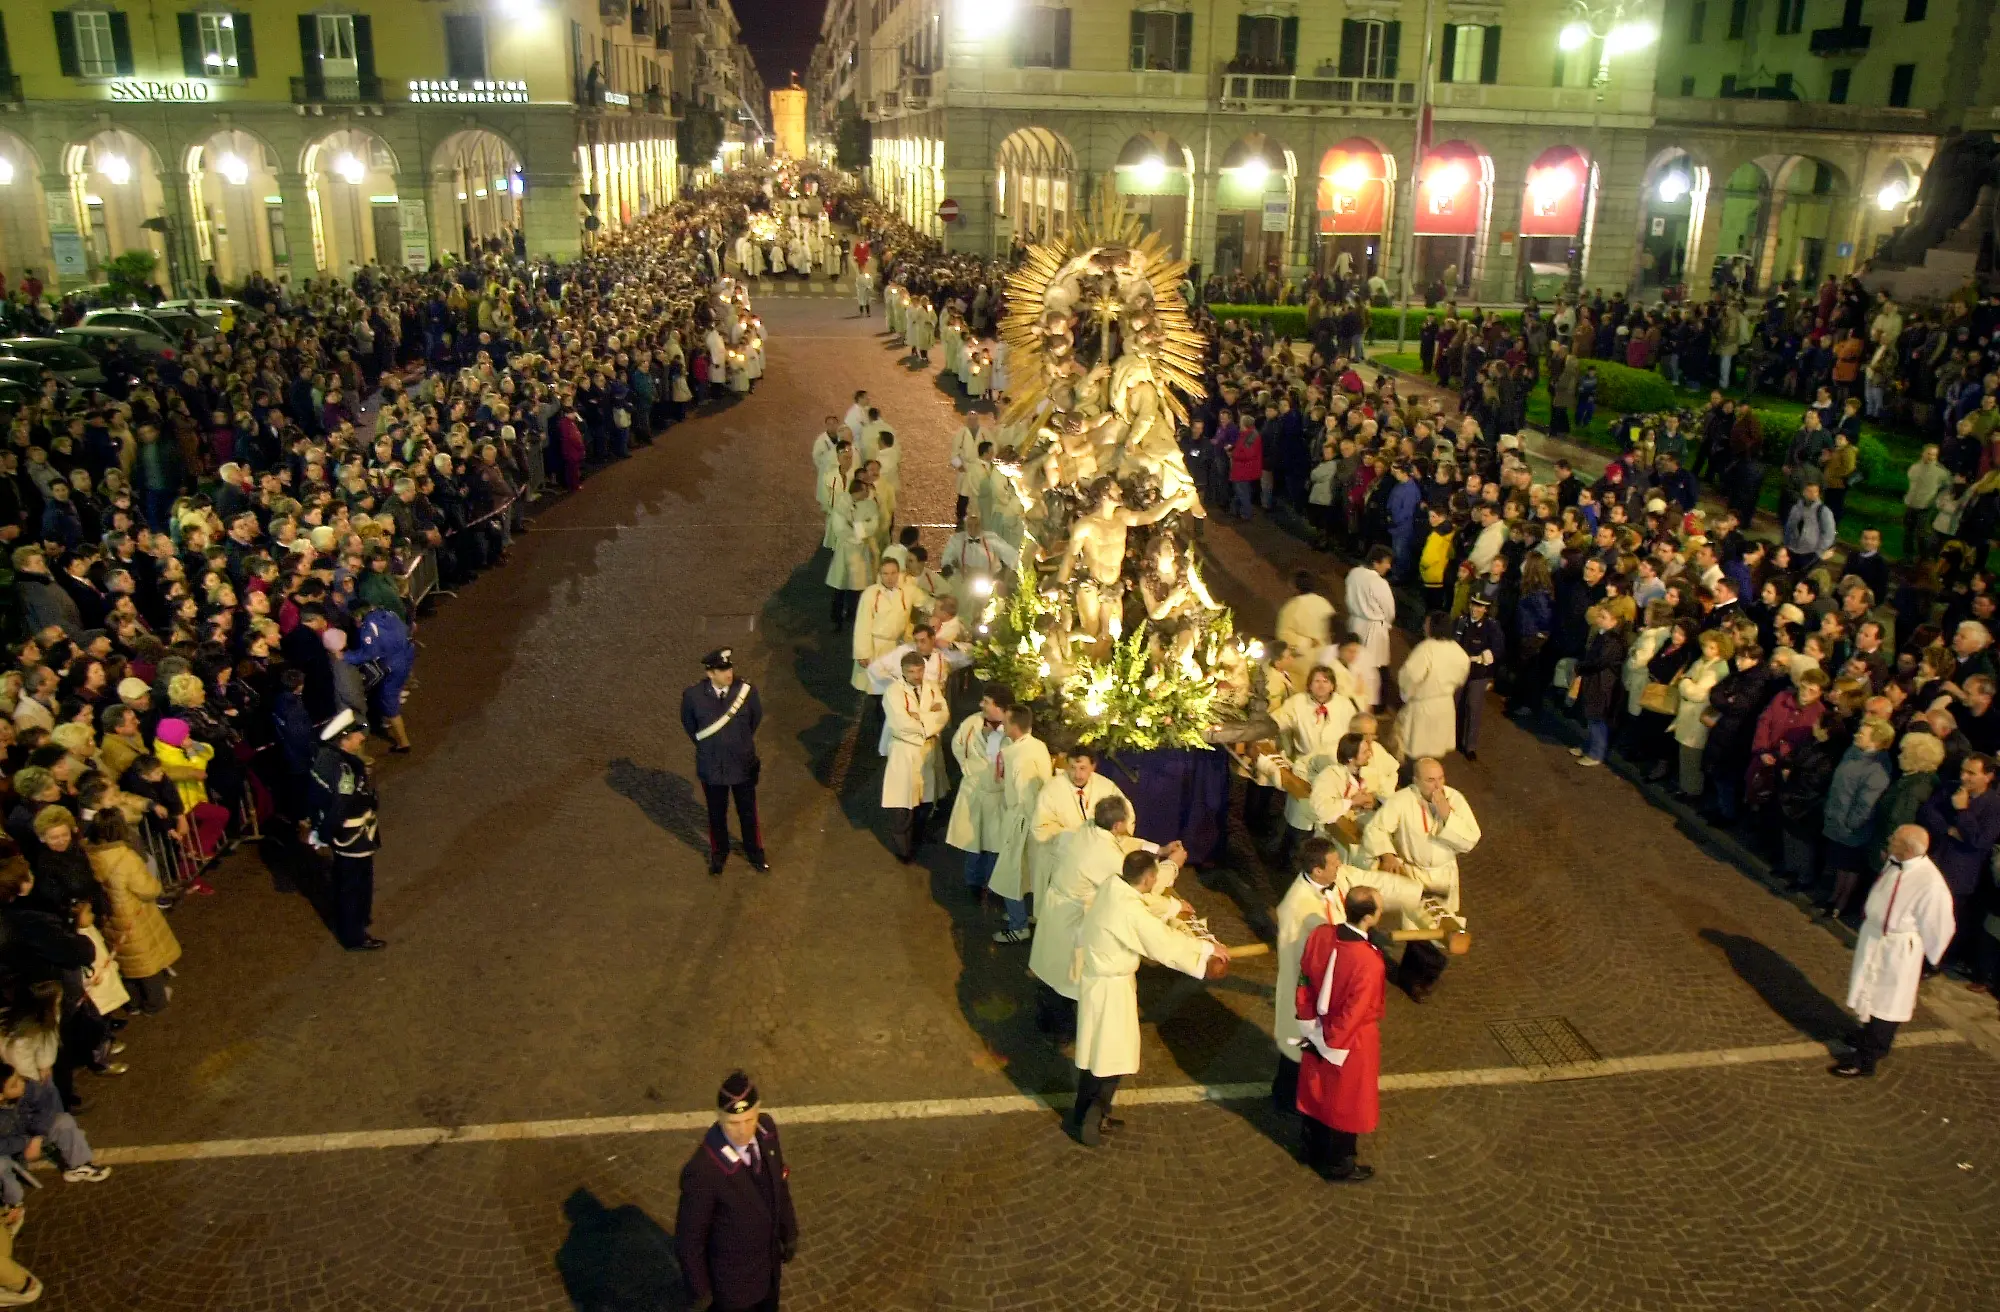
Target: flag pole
{"type": "Point", "coordinates": [1420, 142]}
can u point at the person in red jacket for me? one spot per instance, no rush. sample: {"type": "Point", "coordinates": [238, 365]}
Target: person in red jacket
{"type": "Point", "coordinates": [1246, 467]}
{"type": "Point", "coordinates": [1340, 1018]}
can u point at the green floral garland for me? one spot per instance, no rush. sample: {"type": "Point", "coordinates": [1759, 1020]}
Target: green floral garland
{"type": "Point", "coordinates": [1122, 702]}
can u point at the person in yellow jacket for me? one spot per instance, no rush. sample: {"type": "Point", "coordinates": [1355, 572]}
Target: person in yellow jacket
{"type": "Point", "coordinates": [186, 761]}
{"type": "Point", "coordinates": [1434, 563]}
{"type": "Point", "coordinates": [140, 937]}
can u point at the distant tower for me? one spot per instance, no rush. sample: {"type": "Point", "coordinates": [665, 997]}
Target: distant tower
{"type": "Point", "coordinates": [788, 119]}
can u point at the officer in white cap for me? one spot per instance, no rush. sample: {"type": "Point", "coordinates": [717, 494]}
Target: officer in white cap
{"type": "Point", "coordinates": [721, 714]}
{"type": "Point", "coordinates": [343, 807]}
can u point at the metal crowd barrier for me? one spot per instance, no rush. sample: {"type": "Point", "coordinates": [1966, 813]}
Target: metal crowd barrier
{"type": "Point", "coordinates": [420, 580]}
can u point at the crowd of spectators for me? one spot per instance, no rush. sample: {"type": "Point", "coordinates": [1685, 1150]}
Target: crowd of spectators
{"type": "Point", "coordinates": [1792, 682]}
{"type": "Point", "coordinates": [212, 559]}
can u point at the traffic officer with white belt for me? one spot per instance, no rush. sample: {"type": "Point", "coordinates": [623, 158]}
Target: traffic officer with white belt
{"type": "Point", "coordinates": [344, 821]}
{"type": "Point", "coordinates": [721, 714]}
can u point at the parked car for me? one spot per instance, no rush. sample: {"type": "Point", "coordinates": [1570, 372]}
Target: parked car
{"type": "Point", "coordinates": [100, 339]}
{"type": "Point", "coordinates": [13, 398]}
{"type": "Point", "coordinates": [170, 324]}
{"type": "Point", "coordinates": [21, 373]}
{"type": "Point", "coordinates": [210, 310]}
{"type": "Point", "coordinates": [66, 360]}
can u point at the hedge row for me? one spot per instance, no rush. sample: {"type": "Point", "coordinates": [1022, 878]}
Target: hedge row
{"type": "Point", "coordinates": [1621, 389]}
{"type": "Point", "coordinates": [1290, 320]}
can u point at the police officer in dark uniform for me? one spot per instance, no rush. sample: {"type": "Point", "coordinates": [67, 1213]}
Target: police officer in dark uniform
{"type": "Point", "coordinates": [735, 1228]}
{"type": "Point", "coordinates": [721, 714]}
{"type": "Point", "coordinates": [343, 808]}
{"type": "Point", "coordinates": [1485, 645]}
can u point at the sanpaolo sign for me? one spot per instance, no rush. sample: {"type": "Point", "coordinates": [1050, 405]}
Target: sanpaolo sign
{"type": "Point", "coordinates": [184, 91]}
{"type": "Point", "coordinates": [468, 91]}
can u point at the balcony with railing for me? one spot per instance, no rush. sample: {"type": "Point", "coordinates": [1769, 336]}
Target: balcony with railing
{"type": "Point", "coordinates": [916, 91]}
{"type": "Point", "coordinates": [1842, 40]}
{"type": "Point", "coordinates": [1790, 115]}
{"type": "Point", "coordinates": [319, 89]}
{"type": "Point", "coordinates": [1290, 89]}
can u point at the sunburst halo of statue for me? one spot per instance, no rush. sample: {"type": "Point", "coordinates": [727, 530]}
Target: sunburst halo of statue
{"type": "Point", "coordinates": [1111, 626]}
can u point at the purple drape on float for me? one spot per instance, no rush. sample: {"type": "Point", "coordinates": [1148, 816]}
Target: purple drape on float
{"type": "Point", "coordinates": [1179, 793]}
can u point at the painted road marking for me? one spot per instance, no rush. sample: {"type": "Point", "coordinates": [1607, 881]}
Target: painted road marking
{"type": "Point", "coordinates": [947, 1108]}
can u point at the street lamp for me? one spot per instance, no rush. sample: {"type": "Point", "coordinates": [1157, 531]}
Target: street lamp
{"type": "Point", "coordinates": [985, 18]}
{"type": "Point", "coordinates": [1151, 171]}
{"type": "Point", "coordinates": [1605, 22]}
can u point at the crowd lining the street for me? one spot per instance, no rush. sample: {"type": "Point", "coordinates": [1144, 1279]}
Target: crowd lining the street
{"type": "Point", "coordinates": [217, 567]}
{"type": "Point", "coordinates": [1797, 687]}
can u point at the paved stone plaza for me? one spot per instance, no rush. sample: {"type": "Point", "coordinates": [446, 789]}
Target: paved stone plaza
{"type": "Point", "coordinates": [566, 985]}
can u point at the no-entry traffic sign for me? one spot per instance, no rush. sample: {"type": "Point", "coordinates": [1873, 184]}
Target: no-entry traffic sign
{"type": "Point", "coordinates": [948, 210]}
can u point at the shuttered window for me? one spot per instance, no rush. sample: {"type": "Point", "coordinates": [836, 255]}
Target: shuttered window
{"type": "Point", "coordinates": [1470, 52]}
{"type": "Point", "coordinates": [464, 46]}
{"type": "Point", "coordinates": [1162, 42]}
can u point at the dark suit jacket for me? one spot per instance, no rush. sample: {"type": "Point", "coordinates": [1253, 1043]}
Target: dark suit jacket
{"type": "Point", "coordinates": [735, 1227]}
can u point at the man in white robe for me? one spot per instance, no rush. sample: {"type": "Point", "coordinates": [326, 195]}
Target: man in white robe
{"type": "Point", "coordinates": [826, 446]}
{"type": "Point", "coordinates": [888, 460]}
{"type": "Point", "coordinates": [1909, 920]}
{"type": "Point", "coordinates": [1022, 769]}
{"type": "Point", "coordinates": [872, 429]}
{"type": "Point", "coordinates": [1119, 931]}
{"type": "Point", "coordinates": [965, 459]}
{"type": "Point", "coordinates": [1432, 674]}
{"type": "Point", "coordinates": [1082, 858]}
{"type": "Point", "coordinates": [1314, 899]}
{"type": "Point", "coordinates": [1371, 612]}
{"type": "Point", "coordinates": [978, 812]}
{"type": "Point", "coordinates": [1417, 837]}
{"type": "Point", "coordinates": [864, 292]}
{"type": "Point", "coordinates": [939, 662]}
{"type": "Point", "coordinates": [881, 621]}
{"type": "Point", "coordinates": [1065, 805]}
{"type": "Point", "coordinates": [1305, 621]}
{"type": "Point", "coordinates": [977, 563]}
{"type": "Point", "coordinates": [857, 415]}
{"type": "Point", "coordinates": [1379, 767]}
{"type": "Point", "coordinates": [914, 778]}
{"type": "Point", "coordinates": [1310, 727]}
{"type": "Point", "coordinates": [1341, 801]}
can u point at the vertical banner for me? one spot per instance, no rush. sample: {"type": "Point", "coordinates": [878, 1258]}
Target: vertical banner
{"type": "Point", "coordinates": [416, 234]}
{"type": "Point", "coordinates": [66, 239]}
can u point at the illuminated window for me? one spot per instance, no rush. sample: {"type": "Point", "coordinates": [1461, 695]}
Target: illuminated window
{"type": "Point", "coordinates": [217, 34]}
{"type": "Point", "coordinates": [96, 52]}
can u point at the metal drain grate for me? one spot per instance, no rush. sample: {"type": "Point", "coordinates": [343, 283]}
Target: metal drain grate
{"type": "Point", "coordinates": [1543, 1041]}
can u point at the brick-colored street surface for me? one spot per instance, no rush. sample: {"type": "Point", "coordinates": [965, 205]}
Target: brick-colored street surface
{"type": "Point", "coordinates": [558, 951]}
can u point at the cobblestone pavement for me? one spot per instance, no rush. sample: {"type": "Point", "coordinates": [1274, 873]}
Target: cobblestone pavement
{"type": "Point", "coordinates": [559, 952]}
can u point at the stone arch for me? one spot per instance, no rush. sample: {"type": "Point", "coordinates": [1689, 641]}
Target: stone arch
{"type": "Point", "coordinates": [1676, 205]}
{"type": "Point", "coordinates": [1355, 196]}
{"type": "Point", "coordinates": [231, 175]}
{"type": "Point", "coordinates": [1255, 170]}
{"type": "Point", "coordinates": [115, 184]}
{"type": "Point", "coordinates": [23, 209]}
{"type": "Point", "coordinates": [1155, 175]}
{"type": "Point", "coordinates": [1558, 212]}
{"type": "Point", "coordinates": [351, 195]}
{"type": "Point", "coordinates": [1034, 176]}
{"type": "Point", "coordinates": [1808, 210]}
{"type": "Point", "coordinates": [476, 185]}
{"type": "Point", "coordinates": [1454, 206]}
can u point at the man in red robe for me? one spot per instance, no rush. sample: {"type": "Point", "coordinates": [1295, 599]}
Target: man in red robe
{"type": "Point", "coordinates": [1340, 1018]}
